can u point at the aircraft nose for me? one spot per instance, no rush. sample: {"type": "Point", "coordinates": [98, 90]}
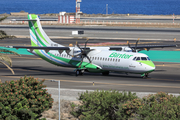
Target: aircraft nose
{"type": "Point", "coordinates": [150, 66]}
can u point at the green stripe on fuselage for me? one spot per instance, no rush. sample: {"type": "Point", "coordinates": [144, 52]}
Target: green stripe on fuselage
{"type": "Point", "coordinates": [74, 63]}
{"type": "Point", "coordinates": [150, 63]}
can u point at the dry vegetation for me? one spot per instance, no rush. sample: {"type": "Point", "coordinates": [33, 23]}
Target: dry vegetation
{"type": "Point", "coordinates": [53, 114]}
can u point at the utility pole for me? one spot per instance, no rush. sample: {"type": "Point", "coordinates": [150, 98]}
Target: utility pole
{"type": "Point", "coordinates": [106, 9]}
{"type": "Point", "coordinates": [173, 18]}
{"type": "Point", "coordinates": [59, 83]}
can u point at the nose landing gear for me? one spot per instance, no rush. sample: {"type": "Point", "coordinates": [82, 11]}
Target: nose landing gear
{"type": "Point", "coordinates": [145, 75]}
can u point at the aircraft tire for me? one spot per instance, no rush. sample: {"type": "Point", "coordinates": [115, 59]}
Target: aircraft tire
{"type": "Point", "coordinates": [105, 73]}
{"type": "Point", "coordinates": [77, 72]}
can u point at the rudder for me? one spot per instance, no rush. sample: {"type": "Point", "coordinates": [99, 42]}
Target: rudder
{"type": "Point", "coordinates": [37, 35]}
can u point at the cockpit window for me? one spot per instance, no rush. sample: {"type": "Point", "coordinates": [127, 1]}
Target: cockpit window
{"type": "Point", "coordinates": [148, 58]}
{"type": "Point", "coordinates": [143, 58]}
{"type": "Point", "coordinates": [134, 58]}
{"type": "Point", "coordinates": [138, 58]}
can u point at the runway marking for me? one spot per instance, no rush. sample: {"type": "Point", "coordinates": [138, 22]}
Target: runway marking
{"type": "Point", "coordinates": [153, 86]}
{"type": "Point", "coordinates": [168, 64]}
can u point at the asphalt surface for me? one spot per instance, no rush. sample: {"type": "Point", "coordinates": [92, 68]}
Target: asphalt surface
{"type": "Point", "coordinates": [102, 32]}
{"type": "Point", "coordinates": [165, 78]}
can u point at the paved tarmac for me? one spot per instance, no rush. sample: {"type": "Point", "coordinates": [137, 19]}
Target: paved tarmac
{"type": "Point", "coordinates": [99, 32]}
{"type": "Point", "coordinates": [165, 78]}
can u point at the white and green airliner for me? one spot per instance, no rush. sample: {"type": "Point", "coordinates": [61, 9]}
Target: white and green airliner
{"type": "Point", "coordinates": [103, 60]}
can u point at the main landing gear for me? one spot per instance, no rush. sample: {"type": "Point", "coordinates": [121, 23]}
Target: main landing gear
{"type": "Point", "coordinates": [145, 75]}
{"type": "Point", "coordinates": [79, 72]}
{"type": "Point", "coordinates": [105, 73]}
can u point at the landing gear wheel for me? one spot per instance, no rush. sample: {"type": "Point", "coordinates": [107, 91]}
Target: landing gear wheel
{"type": "Point", "coordinates": [145, 75]}
{"type": "Point", "coordinates": [105, 73]}
{"type": "Point", "coordinates": [81, 72]}
{"type": "Point", "coordinates": [77, 72]}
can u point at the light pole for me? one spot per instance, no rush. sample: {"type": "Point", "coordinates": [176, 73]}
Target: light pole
{"type": "Point", "coordinates": [59, 96]}
{"type": "Point", "coordinates": [106, 9]}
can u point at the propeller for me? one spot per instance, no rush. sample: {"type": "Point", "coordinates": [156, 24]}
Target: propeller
{"type": "Point", "coordinates": [83, 53]}
{"type": "Point", "coordinates": [133, 49]}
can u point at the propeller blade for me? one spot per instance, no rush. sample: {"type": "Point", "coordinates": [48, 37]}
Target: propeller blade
{"type": "Point", "coordinates": [136, 44]}
{"type": "Point", "coordinates": [128, 44]}
{"type": "Point", "coordinates": [86, 42]}
{"type": "Point", "coordinates": [79, 47]}
{"type": "Point", "coordinates": [81, 62]}
{"type": "Point", "coordinates": [88, 59]}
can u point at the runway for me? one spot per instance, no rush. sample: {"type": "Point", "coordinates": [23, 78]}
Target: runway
{"type": "Point", "coordinates": [99, 32]}
{"type": "Point", "coordinates": [165, 78]}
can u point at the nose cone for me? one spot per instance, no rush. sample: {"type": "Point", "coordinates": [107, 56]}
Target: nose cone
{"type": "Point", "coordinates": [149, 65]}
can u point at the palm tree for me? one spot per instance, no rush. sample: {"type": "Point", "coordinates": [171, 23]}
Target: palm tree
{"type": "Point", "coordinates": [4, 58]}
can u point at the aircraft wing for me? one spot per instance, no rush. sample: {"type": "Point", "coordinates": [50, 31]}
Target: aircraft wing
{"type": "Point", "coordinates": [118, 48]}
{"type": "Point", "coordinates": [42, 48]}
{"type": "Point", "coordinates": [148, 47]}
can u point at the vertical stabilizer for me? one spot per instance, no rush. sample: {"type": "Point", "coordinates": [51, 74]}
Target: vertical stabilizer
{"type": "Point", "coordinates": [37, 35]}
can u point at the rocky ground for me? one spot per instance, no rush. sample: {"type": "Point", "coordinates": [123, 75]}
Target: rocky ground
{"type": "Point", "coordinates": [53, 114]}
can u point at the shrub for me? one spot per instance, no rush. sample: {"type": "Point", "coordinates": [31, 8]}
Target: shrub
{"type": "Point", "coordinates": [160, 106]}
{"type": "Point", "coordinates": [23, 99]}
{"type": "Point", "coordinates": [99, 105]}
{"type": "Point", "coordinates": [113, 105]}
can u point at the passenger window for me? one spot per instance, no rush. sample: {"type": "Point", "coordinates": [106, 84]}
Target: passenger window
{"type": "Point", "coordinates": [119, 60]}
{"type": "Point", "coordinates": [143, 58]}
{"type": "Point", "coordinates": [138, 58]}
{"type": "Point", "coordinates": [134, 58]}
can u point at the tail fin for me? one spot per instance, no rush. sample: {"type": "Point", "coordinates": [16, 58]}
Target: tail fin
{"type": "Point", "coordinates": [37, 35]}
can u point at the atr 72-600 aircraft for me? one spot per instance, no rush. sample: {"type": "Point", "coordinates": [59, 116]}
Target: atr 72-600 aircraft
{"type": "Point", "coordinates": [90, 59]}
